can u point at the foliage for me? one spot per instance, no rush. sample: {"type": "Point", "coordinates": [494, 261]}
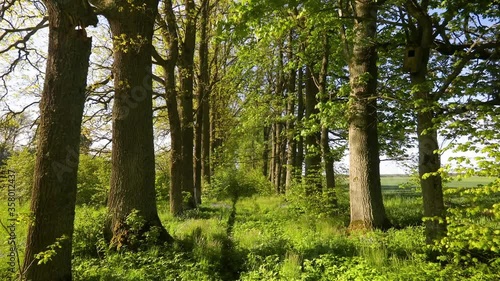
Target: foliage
{"type": "Point", "coordinates": [23, 163]}
{"type": "Point", "coordinates": [234, 183]}
{"type": "Point", "coordinates": [46, 256]}
{"type": "Point", "coordinates": [88, 238]}
{"type": "Point", "coordinates": [93, 180]}
{"type": "Point", "coordinates": [473, 226]}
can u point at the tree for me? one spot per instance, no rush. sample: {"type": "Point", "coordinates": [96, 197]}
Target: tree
{"type": "Point", "coordinates": [427, 38]}
{"type": "Point", "coordinates": [186, 81]}
{"type": "Point", "coordinates": [367, 208]}
{"type": "Point", "coordinates": [313, 139]}
{"type": "Point", "coordinates": [61, 108]}
{"type": "Point", "coordinates": [132, 186]}
{"type": "Point", "coordinates": [170, 37]}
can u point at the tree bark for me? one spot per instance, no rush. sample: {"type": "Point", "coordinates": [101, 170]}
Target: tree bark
{"type": "Point", "coordinates": [197, 147]}
{"type": "Point", "coordinates": [328, 163]}
{"type": "Point", "coordinates": [186, 79]}
{"type": "Point", "coordinates": [290, 123]}
{"type": "Point", "coordinates": [205, 85]}
{"type": "Point", "coordinates": [170, 36]}
{"type": "Point", "coordinates": [61, 108]}
{"type": "Point", "coordinates": [312, 140]}
{"type": "Point", "coordinates": [325, 139]}
{"type": "Point", "coordinates": [429, 159]}
{"type": "Point", "coordinates": [366, 203]}
{"type": "Point", "coordinates": [132, 184]}
{"type": "Point", "coordinates": [277, 157]}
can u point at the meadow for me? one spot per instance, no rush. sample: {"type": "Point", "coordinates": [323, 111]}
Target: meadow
{"type": "Point", "coordinates": [268, 237]}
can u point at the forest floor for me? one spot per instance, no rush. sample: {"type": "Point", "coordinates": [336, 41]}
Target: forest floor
{"type": "Point", "coordinates": [267, 238]}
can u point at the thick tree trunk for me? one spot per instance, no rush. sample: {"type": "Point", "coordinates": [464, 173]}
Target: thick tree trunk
{"type": "Point", "coordinates": [133, 165]}
{"type": "Point", "coordinates": [325, 139]}
{"type": "Point", "coordinates": [186, 77]}
{"type": "Point", "coordinates": [204, 85]}
{"type": "Point", "coordinates": [429, 159]}
{"type": "Point", "coordinates": [367, 208]}
{"type": "Point", "coordinates": [430, 162]}
{"type": "Point", "coordinates": [312, 140]}
{"type": "Point", "coordinates": [61, 108]}
{"type": "Point", "coordinates": [169, 31]}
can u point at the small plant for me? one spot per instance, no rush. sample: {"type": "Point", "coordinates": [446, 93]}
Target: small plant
{"type": "Point", "coordinates": [46, 256]}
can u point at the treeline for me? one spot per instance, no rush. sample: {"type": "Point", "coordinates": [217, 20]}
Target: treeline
{"type": "Point", "coordinates": [284, 87]}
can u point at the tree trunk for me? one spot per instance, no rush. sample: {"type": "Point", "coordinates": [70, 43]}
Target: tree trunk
{"type": "Point", "coordinates": [61, 108]}
{"type": "Point", "coordinates": [328, 163]}
{"type": "Point", "coordinates": [205, 102]}
{"type": "Point", "coordinates": [429, 159]}
{"type": "Point", "coordinates": [312, 140]}
{"type": "Point", "coordinates": [325, 139]}
{"type": "Point", "coordinates": [367, 208]}
{"type": "Point", "coordinates": [132, 184]}
{"type": "Point", "coordinates": [272, 160]}
{"type": "Point", "coordinates": [290, 123]}
{"type": "Point", "coordinates": [265, 152]}
{"type": "Point", "coordinates": [277, 157]}
{"type": "Point", "coordinates": [170, 37]}
{"type": "Point", "coordinates": [186, 77]}
{"type": "Point", "coordinates": [197, 148]}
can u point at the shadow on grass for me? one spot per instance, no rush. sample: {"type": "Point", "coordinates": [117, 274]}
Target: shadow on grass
{"type": "Point", "coordinates": [231, 260]}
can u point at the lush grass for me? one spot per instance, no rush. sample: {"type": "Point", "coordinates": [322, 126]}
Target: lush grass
{"type": "Point", "coordinates": [269, 238]}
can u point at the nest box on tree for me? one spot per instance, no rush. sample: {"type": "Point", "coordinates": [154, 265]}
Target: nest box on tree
{"type": "Point", "coordinates": [413, 59]}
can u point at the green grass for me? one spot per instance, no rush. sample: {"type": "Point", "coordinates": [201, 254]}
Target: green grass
{"type": "Point", "coordinates": [269, 238]}
{"type": "Point", "coordinates": [393, 181]}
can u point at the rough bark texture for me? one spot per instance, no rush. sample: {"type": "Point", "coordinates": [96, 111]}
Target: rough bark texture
{"type": "Point", "coordinates": [367, 208]}
{"type": "Point", "coordinates": [312, 140]}
{"type": "Point", "coordinates": [204, 85]}
{"type": "Point", "coordinates": [429, 160]}
{"type": "Point", "coordinates": [186, 79]}
{"type": "Point", "coordinates": [169, 32]}
{"type": "Point", "coordinates": [55, 180]}
{"type": "Point", "coordinates": [132, 184]}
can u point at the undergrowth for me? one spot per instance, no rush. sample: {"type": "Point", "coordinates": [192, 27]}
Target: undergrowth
{"type": "Point", "coordinates": [263, 237]}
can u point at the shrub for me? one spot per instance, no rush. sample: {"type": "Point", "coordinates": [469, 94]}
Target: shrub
{"type": "Point", "coordinates": [93, 180]}
{"type": "Point", "coordinates": [233, 183]}
{"type": "Point", "coordinates": [473, 226]}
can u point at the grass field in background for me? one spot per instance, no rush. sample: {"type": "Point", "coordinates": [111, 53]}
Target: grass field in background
{"type": "Point", "coordinates": [392, 181]}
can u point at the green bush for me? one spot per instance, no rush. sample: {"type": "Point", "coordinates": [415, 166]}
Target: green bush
{"type": "Point", "coordinates": [88, 238]}
{"type": "Point", "coordinates": [232, 183]}
{"type": "Point", "coordinates": [473, 226]}
{"type": "Point", "coordinates": [93, 180]}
